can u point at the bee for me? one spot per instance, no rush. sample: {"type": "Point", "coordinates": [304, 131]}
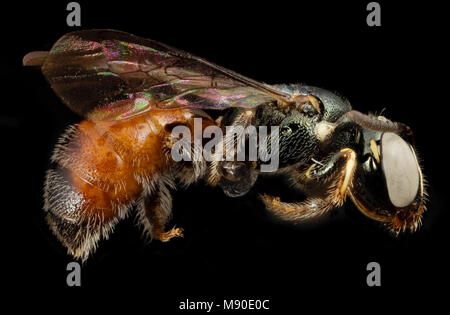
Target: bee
{"type": "Point", "coordinates": [133, 93]}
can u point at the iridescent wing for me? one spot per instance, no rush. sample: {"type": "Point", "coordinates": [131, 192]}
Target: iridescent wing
{"type": "Point", "coordinates": [106, 74]}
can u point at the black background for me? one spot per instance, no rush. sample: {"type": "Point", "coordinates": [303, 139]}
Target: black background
{"type": "Point", "coordinates": [232, 247]}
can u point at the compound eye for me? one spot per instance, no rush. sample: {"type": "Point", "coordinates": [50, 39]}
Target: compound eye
{"type": "Point", "coordinates": [400, 168]}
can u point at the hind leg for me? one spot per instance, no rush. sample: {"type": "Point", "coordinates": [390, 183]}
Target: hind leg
{"type": "Point", "coordinates": [154, 212]}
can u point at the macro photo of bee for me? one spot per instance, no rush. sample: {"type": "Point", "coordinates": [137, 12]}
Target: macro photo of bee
{"type": "Point", "coordinates": [133, 93]}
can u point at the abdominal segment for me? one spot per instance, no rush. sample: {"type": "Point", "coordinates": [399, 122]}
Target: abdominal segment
{"type": "Point", "coordinates": [102, 169]}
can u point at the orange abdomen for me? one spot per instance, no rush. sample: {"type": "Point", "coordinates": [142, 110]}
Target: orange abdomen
{"type": "Point", "coordinates": [109, 163]}
{"type": "Point", "coordinates": [103, 168]}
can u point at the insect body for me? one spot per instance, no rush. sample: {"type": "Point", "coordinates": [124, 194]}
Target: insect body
{"type": "Point", "coordinates": [134, 92]}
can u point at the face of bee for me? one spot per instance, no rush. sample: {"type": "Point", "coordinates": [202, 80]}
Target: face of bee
{"type": "Point", "coordinates": [388, 184]}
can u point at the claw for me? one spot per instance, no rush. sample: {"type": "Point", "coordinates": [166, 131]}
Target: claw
{"type": "Point", "coordinates": [270, 200]}
{"type": "Point", "coordinates": [174, 232]}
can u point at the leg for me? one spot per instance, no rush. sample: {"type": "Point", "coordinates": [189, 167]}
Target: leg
{"type": "Point", "coordinates": [153, 214]}
{"type": "Point", "coordinates": [334, 177]}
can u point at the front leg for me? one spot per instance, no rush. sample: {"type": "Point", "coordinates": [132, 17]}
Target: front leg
{"type": "Point", "coordinates": [334, 177]}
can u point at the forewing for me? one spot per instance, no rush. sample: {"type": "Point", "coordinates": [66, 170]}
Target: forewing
{"type": "Point", "coordinates": [106, 74]}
